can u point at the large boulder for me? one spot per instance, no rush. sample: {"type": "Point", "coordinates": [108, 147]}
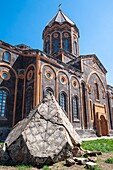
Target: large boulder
{"type": "Point", "coordinates": [44, 137]}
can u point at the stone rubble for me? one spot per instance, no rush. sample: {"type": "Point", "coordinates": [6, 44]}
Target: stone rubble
{"type": "Point", "coordinates": [81, 161]}
{"type": "Point", "coordinates": [90, 165]}
{"type": "Point", "coordinates": [70, 162]}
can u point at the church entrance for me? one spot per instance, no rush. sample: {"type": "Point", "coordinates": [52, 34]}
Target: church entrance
{"type": "Point", "coordinates": [103, 126]}
{"type": "Point", "coordinates": [100, 121]}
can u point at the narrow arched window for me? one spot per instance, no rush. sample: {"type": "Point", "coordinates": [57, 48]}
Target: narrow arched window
{"type": "Point", "coordinates": [91, 110]}
{"type": "Point", "coordinates": [3, 100]}
{"type": "Point", "coordinates": [47, 45]}
{"type": "Point", "coordinates": [66, 45]}
{"type": "Point", "coordinates": [75, 108]}
{"type": "Point", "coordinates": [55, 42]}
{"type": "Point", "coordinates": [6, 56]}
{"type": "Point", "coordinates": [56, 45]}
{"type": "Point", "coordinates": [48, 48]}
{"type": "Point", "coordinates": [62, 101]}
{"type": "Point", "coordinates": [29, 100]}
{"type": "Point", "coordinates": [66, 41]}
{"type": "Point", "coordinates": [75, 47]}
{"type": "Point", "coordinates": [84, 110]}
{"type": "Point", "coordinates": [97, 91]}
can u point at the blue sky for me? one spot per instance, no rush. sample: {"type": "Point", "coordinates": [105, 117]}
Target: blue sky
{"type": "Point", "coordinates": [22, 21]}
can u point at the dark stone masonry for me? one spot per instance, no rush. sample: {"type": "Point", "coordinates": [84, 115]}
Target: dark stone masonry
{"type": "Point", "coordinates": [78, 82]}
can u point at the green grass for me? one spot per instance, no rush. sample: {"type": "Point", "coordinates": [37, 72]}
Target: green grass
{"type": "Point", "coordinates": [103, 145]}
{"type": "Point", "coordinates": [23, 167]}
{"type": "Point", "coordinates": [94, 168]}
{"type": "Point", "coordinates": [109, 160]}
{"type": "Point", "coordinates": [46, 168]}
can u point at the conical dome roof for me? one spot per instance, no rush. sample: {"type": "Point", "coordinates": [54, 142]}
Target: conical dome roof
{"type": "Point", "coordinates": [60, 18]}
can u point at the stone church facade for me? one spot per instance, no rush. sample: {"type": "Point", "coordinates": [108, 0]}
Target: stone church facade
{"type": "Point", "coordinates": [78, 82]}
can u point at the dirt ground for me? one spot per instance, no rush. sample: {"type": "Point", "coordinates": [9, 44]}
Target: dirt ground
{"type": "Point", "coordinates": [60, 166]}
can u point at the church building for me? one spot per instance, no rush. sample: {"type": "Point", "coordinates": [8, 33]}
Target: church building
{"type": "Point", "coordinates": [78, 82]}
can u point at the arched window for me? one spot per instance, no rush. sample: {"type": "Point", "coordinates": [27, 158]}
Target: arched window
{"type": "Point", "coordinates": [66, 41]}
{"type": "Point", "coordinates": [29, 100]}
{"type": "Point", "coordinates": [47, 50]}
{"type": "Point", "coordinates": [75, 47]}
{"type": "Point", "coordinates": [55, 42]}
{"type": "Point", "coordinates": [75, 108]}
{"type": "Point", "coordinates": [66, 44]}
{"type": "Point", "coordinates": [56, 45]}
{"type": "Point", "coordinates": [84, 110]}
{"type": "Point", "coordinates": [91, 110]}
{"type": "Point", "coordinates": [6, 56]}
{"type": "Point", "coordinates": [49, 90]}
{"type": "Point", "coordinates": [3, 100]}
{"type": "Point", "coordinates": [97, 91]}
{"type": "Point", "coordinates": [62, 101]}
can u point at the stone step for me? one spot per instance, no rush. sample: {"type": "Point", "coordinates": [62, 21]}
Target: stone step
{"type": "Point", "coordinates": [111, 132]}
{"type": "Point", "coordinates": [86, 133]}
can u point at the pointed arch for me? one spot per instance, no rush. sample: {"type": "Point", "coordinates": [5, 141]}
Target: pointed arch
{"type": "Point", "coordinates": [97, 76]}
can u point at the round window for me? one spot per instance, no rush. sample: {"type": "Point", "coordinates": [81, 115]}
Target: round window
{"type": "Point", "coordinates": [66, 35]}
{"type": "Point", "coordinates": [5, 75]}
{"type": "Point", "coordinates": [55, 35]}
{"type": "Point", "coordinates": [62, 79]}
{"type": "Point", "coordinates": [74, 83]}
{"type": "Point", "coordinates": [30, 75]}
{"type": "Point", "coordinates": [48, 74]}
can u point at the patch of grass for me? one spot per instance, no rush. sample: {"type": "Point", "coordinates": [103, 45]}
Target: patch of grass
{"type": "Point", "coordinates": [103, 145]}
{"type": "Point", "coordinates": [109, 160]}
{"type": "Point", "coordinates": [46, 168]}
{"type": "Point", "coordinates": [22, 167]}
{"type": "Point", "coordinates": [94, 168]}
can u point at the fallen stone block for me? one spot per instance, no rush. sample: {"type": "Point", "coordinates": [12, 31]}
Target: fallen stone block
{"type": "Point", "coordinates": [80, 161]}
{"type": "Point", "coordinates": [90, 165]}
{"type": "Point", "coordinates": [70, 162]}
{"type": "Point", "coordinates": [44, 137]}
{"type": "Point", "coordinates": [92, 159]}
{"type": "Point", "coordinates": [77, 152]}
{"type": "Point", "coordinates": [92, 153]}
